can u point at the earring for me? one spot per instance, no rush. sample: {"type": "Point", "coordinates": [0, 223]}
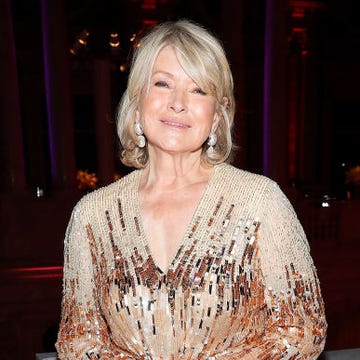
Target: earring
{"type": "Point", "coordinates": [140, 135]}
{"type": "Point", "coordinates": [211, 142]}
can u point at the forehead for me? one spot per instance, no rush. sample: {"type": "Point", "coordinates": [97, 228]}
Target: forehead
{"type": "Point", "coordinates": [166, 58]}
{"type": "Point", "coordinates": [178, 63]}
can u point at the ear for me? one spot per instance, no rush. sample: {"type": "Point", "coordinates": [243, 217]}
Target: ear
{"type": "Point", "coordinates": [216, 121]}
{"type": "Point", "coordinates": [225, 102]}
{"type": "Point", "coordinates": [217, 115]}
{"type": "Point", "coordinates": [137, 116]}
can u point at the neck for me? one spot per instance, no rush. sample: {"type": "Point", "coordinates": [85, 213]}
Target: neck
{"type": "Point", "coordinates": [169, 171]}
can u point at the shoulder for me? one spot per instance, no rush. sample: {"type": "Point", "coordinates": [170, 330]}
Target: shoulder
{"type": "Point", "coordinates": [242, 181]}
{"type": "Point", "coordinates": [253, 193]}
{"type": "Point", "coordinates": [105, 197]}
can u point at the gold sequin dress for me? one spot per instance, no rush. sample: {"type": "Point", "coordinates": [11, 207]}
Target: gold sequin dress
{"type": "Point", "coordinates": [242, 284]}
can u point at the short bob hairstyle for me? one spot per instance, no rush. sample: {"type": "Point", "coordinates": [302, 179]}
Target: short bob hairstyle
{"type": "Point", "coordinates": [203, 58]}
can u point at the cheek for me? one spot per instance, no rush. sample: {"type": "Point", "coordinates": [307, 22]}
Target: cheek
{"type": "Point", "coordinates": [150, 105]}
{"type": "Point", "coordinates": [205, 112]}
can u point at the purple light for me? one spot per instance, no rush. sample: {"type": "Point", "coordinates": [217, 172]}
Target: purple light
{"type": "Point", "coordinates": [47, 76]}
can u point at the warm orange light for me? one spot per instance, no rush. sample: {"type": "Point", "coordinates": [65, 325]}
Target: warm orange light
{"type": "Point", "coordinates": [114, 40]}
{"type": "Point", "coordinates": [82, 41]}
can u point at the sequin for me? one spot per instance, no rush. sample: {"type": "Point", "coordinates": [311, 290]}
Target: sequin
{"type": "Point", "coordinates": [241, 285]}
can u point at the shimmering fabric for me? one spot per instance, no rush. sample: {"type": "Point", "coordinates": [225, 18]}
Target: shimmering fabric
{"type": "Point", "coordinates": [242, 284]}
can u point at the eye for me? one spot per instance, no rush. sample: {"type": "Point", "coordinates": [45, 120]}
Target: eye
{"type": "Point", "coordinates": [199, 91]}
{"type": "Point", "coordinates": [161, 84]}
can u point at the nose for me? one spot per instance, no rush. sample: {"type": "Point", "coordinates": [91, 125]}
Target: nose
{"type": "Point", "coordinates": [177, 101]}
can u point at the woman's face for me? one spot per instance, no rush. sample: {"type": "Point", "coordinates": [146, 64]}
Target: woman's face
{"type": "Point", "coordinates": [176, 115]}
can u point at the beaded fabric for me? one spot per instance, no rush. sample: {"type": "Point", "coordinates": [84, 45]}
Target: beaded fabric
{"type": "Point", "coordinates": [242, 284]}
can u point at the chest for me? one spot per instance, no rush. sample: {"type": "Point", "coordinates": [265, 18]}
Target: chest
{"type": "Point", "coordinates": [169, 216]}
{"type": "Point", "coordinates": [213, 279]}
{"type": "Point", "coordinates": [176, 234]}
{"type": "Point", "coordinates": [165, 221]}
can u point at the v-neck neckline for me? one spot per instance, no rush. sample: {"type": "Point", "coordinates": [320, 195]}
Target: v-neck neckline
{"type": "Point", "coordinates": [183, 241]}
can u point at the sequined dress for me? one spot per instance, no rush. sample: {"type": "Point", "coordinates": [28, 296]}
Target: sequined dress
{"type": "Point", "coordinates": [242, 284]}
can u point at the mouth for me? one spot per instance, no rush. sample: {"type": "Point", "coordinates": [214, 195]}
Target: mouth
{"type": "Point", "coordinates": [175, 124]}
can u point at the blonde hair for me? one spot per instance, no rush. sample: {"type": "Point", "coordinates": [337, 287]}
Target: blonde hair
{"type": "Point", "coordinates": [203, 58]}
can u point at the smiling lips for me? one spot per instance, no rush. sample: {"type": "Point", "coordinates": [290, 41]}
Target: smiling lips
{"type": "Point", "coordinates": [175, 124]}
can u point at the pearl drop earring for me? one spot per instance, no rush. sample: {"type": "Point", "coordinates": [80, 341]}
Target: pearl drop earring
{"type": "Point", "coordinates": [211, 142]}
{"type": "Point", "coordinates": [140, 135]}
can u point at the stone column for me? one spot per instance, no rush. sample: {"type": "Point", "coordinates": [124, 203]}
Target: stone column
{"type": "Point", "coordinates": [105, 129]}
{"type": "Point", "coordinates": [58, 95]}
{"type": "Point", "coordinates": [12, 167]}
{"type": "Point", "coordinates": [232, 28]}
{"type": "Point", "coordinates": [303, 78]}
{"type": "Point", "coordinates": [275, 142]}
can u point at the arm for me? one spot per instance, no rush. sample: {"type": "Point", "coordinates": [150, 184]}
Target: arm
{"type": "Point", "coordinates": [83, 333]}
{"type": "Point", "coordinates": [294, 311]}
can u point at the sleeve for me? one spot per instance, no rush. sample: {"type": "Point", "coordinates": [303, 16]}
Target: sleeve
{"type": "Point", "coordinates": [294, 310]}
{"type": "Point", "coordinates": [83, 333]}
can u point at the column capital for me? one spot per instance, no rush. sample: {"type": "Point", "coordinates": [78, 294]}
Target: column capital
{"type": "Point", "coordinates": [300, 14]}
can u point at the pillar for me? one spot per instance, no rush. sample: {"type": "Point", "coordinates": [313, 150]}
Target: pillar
{"type": "Point", "coordinates": [275, 144]}
{"type": "Point", "coordinates": [58, 95]}
{"type": "Point", "coordinates": [105, 129]}
{"type": "Point", "coordinates": [11, 141]}
{"type": "Point", "coordinates": [232, 28]}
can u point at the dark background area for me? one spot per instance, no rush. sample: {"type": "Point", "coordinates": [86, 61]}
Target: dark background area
{"type": "Point", "coordinates": [313, 138]}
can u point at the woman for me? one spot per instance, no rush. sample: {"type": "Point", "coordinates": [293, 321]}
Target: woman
{"type": "Point", "coordinates": [186, 257]}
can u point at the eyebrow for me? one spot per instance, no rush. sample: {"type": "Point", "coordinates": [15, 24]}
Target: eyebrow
{"type": "Point", "coordinates": [162, 72]}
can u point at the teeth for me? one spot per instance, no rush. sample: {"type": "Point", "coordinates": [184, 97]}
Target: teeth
{"type": "Point", "coordinates": [174, 124]}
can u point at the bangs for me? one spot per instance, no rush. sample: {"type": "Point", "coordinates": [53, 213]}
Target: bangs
{"type": "Point", "coordinates": [198, 63]}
